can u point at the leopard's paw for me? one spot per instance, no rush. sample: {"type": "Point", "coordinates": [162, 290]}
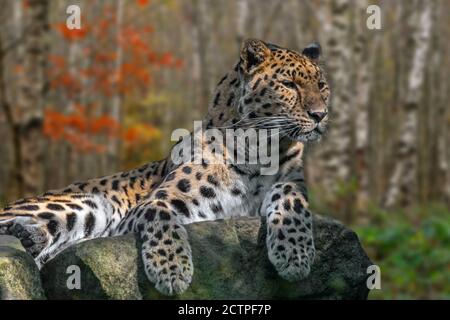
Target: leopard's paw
{"type": "Point", "coordinates": [175, 281]}
{"type": "Point", "coordinates": [292, 258]}
{"type": "Point", "coordinates": [33, 235]}
{"type": "Point", "coordinates": [168, 261]}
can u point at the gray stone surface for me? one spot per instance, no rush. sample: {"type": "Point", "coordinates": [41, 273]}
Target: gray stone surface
{"type": "Point", "coordinates": [19, 275]}
{"type": "Point", "coordinates": [230, 262]}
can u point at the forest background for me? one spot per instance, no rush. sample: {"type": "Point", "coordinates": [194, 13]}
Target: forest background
{"type": "Point", "coordinates": [77, 104]}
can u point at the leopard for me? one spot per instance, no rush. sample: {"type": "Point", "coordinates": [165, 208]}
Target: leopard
{"type": "Point", "coordinates": [269, 87]}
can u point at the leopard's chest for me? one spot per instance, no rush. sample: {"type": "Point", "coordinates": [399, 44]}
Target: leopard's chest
{"type": "Point", "coordinates": [247, 203]}
{"type": "Point", "coordinates": [257, 188]}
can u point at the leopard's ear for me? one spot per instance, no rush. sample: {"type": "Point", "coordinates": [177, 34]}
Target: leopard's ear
{"type": "Point", "coordinates": [313, 51]}
{"type": "Point", "coordinates": [253, 53]}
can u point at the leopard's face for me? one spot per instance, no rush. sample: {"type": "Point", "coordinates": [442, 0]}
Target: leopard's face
{"type": "Point", "coordinates": [284, 89]}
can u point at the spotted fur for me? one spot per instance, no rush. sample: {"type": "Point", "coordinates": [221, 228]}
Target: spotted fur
{"type": "Point", "coordinates": [270, 87]}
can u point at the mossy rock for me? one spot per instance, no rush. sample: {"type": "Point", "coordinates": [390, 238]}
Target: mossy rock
{"type": "Point", "coordinates": [230, 262]}
{"type": "Point", "coordinates": [19, 275]}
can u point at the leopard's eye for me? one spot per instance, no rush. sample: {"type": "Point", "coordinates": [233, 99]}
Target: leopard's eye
{"type": "Point", "coordinates": [289, 84]}
{"type": "Point", "coordinates": [321, 85]}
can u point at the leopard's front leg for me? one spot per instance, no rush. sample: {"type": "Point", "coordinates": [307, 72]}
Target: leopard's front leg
{"type": "Point", "coordinates": [166, 252]}
{"type": "Point", "coordinates": [188, 194]}
{"type": "Point", "coordinates": [289, 239]}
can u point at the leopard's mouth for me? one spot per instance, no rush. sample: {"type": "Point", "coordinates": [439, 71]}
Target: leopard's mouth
{"type": "Point", "coordinates": [307, 132]}
{"type": "Point", "coordinates": [311, 135]}
{"type": "Point", "coordinates": [320, 130]}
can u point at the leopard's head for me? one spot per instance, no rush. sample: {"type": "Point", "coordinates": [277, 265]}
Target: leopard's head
{"type": "Point", "coordinates": [284, 89]}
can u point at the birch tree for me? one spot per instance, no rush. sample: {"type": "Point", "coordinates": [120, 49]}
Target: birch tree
{"type": "Point", "coordinates": [362, 63]}
{"type": "Point", "coordinates": [334, 155]}
{"type": "Point", "coordinates": [112, 158]}
{"type": "Point", "coordinates": [241, 21]}
{"type": "Point", "coordinates": [402, 187]}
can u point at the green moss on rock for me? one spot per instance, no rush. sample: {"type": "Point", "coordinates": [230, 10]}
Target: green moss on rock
{"type": "Point", "coordinates": [230, 262]}
{"type": "Point", "coordinates": [19, 275]}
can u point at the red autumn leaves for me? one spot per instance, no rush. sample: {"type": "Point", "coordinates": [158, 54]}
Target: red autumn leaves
{"type": "Point", "coordinates": [110, 62]}
{"type": "Point", "coordinates": [79, 126]}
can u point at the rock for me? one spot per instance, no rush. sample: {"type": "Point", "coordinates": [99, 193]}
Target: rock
{"type": "Point", "coordinates": [230, 262]}
{"type": "Point", "coordinates": [19, 275]}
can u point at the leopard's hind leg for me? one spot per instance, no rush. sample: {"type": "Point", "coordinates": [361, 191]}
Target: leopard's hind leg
{"type": "Point", "coordinates": [190, 193]}
{"type": "Point", "coordinates": [47, 225]}
{"type": "Point", "coordinates": [33, 236]}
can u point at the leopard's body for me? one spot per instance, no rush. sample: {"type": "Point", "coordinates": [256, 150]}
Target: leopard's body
{"type": "Point", "coordinates": [270, 85]}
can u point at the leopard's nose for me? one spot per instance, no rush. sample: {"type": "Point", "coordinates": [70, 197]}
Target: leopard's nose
{"type": "Point", "coordinates": [317, 116]}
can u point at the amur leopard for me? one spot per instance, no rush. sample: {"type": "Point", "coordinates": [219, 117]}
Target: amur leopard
{"type": "Point", "coordinates": [270, 87]}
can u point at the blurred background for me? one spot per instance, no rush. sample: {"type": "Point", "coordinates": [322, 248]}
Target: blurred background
{"type": "Point", "coordinates": [77, 104]}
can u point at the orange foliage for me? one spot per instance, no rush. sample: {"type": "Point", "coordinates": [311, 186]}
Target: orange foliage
{"type": "Point", "coordinates": [140, 133]}
{"type": "Point", "coordinates": [57, 61]}
{"type": "Point", "coordinates": [72, 34]}
{"type": "Point", "coordinates": [104, 74]}
{"type": "Point", "coordinates": [79, 129]}
{"type": "Point", "coordinates": [143, 3]}
{"type": "Point", "coordinates": [131, 134]}
{"type": "Point", "coordinates": [18, 68]}
{"type": "Point", "coordinates": [103, 77]}
{"type": "Point", "coordinates": [104, 124]}
{"type": "Point", "coordinates": [105, 57]}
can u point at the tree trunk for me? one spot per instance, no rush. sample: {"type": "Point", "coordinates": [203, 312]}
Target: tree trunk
{"type": "Point", "coordinates": [114, 146]}
{"type": "Point", "coordinates": [31, 98]}
{"type": "Point", "coordinates": [198, 14]}
{"type": "Point", "coordinates": [241, 21]}
{"type": "Point", "coordinates": [402, 187]}
{"type": "Point", "coordinates": [296, 34]}
{"type": "Point", "coordinates": [332, 158]}
{"type": "Point", "coordinates": [9, 119]}
{"type": "Point", "coordinates": [362, 80]}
